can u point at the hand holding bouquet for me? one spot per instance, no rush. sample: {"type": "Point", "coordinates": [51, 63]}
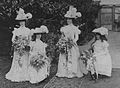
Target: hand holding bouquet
{"type": "Point", "coordinates": [64, 45]}
{"type": "Point", "coordinates": [87, 55]}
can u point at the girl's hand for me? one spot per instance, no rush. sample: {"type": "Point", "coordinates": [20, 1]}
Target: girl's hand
{"type": "Point", "coordinates": [93, 55]}
{"type": "Point", "coordinates": [94, 58]}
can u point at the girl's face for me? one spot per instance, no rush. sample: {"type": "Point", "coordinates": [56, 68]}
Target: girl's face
{"type": "Point", "coordinates": [97, 36]}
{"type": "Point", "coordinates": [22, 23]}
{"type": "Point", "coordinates": [69, 21]}
{"type": "Point", "coordinates": [38, 36]}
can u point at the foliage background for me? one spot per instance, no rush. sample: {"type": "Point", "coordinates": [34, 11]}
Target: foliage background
{"type": "Point", "coordinates": [50, 13]}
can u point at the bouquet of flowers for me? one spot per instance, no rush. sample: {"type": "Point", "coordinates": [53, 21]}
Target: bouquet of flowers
{"type": "Point", "coordinates": [64, 45]}
{"type": "Point", "coordinates": [21, 44]}
{"type": "Point", "coordinates": [85, 55]}
{"type": "Point", "coordinates": [90, 62]}
{"type": "Point", "coordinates": [38, 61]}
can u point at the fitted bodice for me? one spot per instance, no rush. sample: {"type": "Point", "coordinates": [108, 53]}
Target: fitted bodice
{"type": "Point", "coordinates": [22, 31]}
{"type": "Point", "coordinates": [70, 31]}
{"type": "Point", "coordinates": [38, 47]}
{"type": "Point", "coordinates": [100, 47]}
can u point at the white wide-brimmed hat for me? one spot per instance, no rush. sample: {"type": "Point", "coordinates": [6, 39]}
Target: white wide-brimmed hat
{"type": "Point", "coordinates": [22, 16]}
{"type": "Point", "coordinates": [101, 30]}
{"type": "Point", "coordinates": [42, 29]}
{"type": "Point", "coordinates": [72, 13]}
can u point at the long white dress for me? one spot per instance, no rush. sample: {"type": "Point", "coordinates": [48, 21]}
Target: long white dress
{"type": "Point", "coordinates": [103, 58]}
{"type": "Point", "coordinates": [72, 67]}
{"type": "Point", "coordinates": [19, 69]}
{"type": "Point", "coordinates": [37, 75]}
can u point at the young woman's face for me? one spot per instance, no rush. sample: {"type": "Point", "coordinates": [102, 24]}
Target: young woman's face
{"type": "Point", "coordinates": [22, 23]}
{"type": "Point", "coordinates": [69, 21]}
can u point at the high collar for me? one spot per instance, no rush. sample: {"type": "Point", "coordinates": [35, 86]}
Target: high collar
{"type": "Point", "coordinates": [38, 40]}
{"type": "Point", "coordinates": [70, 24]}
{"type": "Point", "coordinates": [22, 27]}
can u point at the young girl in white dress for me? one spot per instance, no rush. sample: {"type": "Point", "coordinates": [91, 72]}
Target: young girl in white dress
{"type": "Point", "coordinates": [39, 63]}
{"type": "Point", "coordinates": [19, 69]}
{"type": "Point", "coordinates": [101, 53]}
{"type": "Point", "coordinates": [71, 67]}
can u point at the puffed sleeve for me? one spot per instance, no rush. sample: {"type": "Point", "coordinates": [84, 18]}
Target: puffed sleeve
{"type": "Point", "coordinates": [45, 45]}
{"type": "Point", "coordinates": [106, 44]}
{"type": "Point", "coordinates": [62, 29]}
{"type": "Point", "coordinates": [31, 43]}
{"type": "Point", "coordinates": [77, 31]}
{"type": "Point", "coordinates": [15, 32]}
{"type": "Point", "coordinates": [28, 31]}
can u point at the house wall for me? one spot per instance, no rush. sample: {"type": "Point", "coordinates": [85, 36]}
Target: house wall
{"type": "Point", "coordinates": [108, 2]}
{"type": "Point", "coordinates": [109, 16]}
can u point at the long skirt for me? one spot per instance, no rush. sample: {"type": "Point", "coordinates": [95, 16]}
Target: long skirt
{"type": "Point", "coordinates": [38, 74]}
{"type": "Point", "coordinates": [19, 69]}
{"type": "Point", "coordinates": [70, 65]}
{"type": "Point", "coordinates": [104, 64]}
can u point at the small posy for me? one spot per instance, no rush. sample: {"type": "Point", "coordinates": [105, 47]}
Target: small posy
{"type": "Point", "coordinates": [37, 61]}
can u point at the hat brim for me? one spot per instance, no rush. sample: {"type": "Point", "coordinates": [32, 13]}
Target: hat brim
{"type": "Point", "coordinates": [69, 18]}
{"type": "Point", "coordinates": [20, 20]}
{"type": "Point", "coordinates": [37, 33]}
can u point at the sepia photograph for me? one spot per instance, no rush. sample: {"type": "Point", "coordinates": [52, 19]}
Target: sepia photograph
{"type": "Point", "coordinates": [59, 43]}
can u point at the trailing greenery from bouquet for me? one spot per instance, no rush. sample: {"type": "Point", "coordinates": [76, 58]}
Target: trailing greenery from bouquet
{"type": "Point", "coordinates": [21, 45]}
{"type": "Point", "coordinates": [51, 13]}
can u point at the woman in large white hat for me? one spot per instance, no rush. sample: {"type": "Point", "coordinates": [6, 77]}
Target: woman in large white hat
{"type": "Point", "coordinates": [69, 65]}
{"type": "Point", "coordinates": [39, 62]}
{"type": "Point", "coordinates": [21, 38]}
{"type": "Point", "coordinates": [101, 52]}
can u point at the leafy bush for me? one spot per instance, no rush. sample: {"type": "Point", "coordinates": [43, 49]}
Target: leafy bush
{"type": "Point", "coordinates": [51, 13]}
